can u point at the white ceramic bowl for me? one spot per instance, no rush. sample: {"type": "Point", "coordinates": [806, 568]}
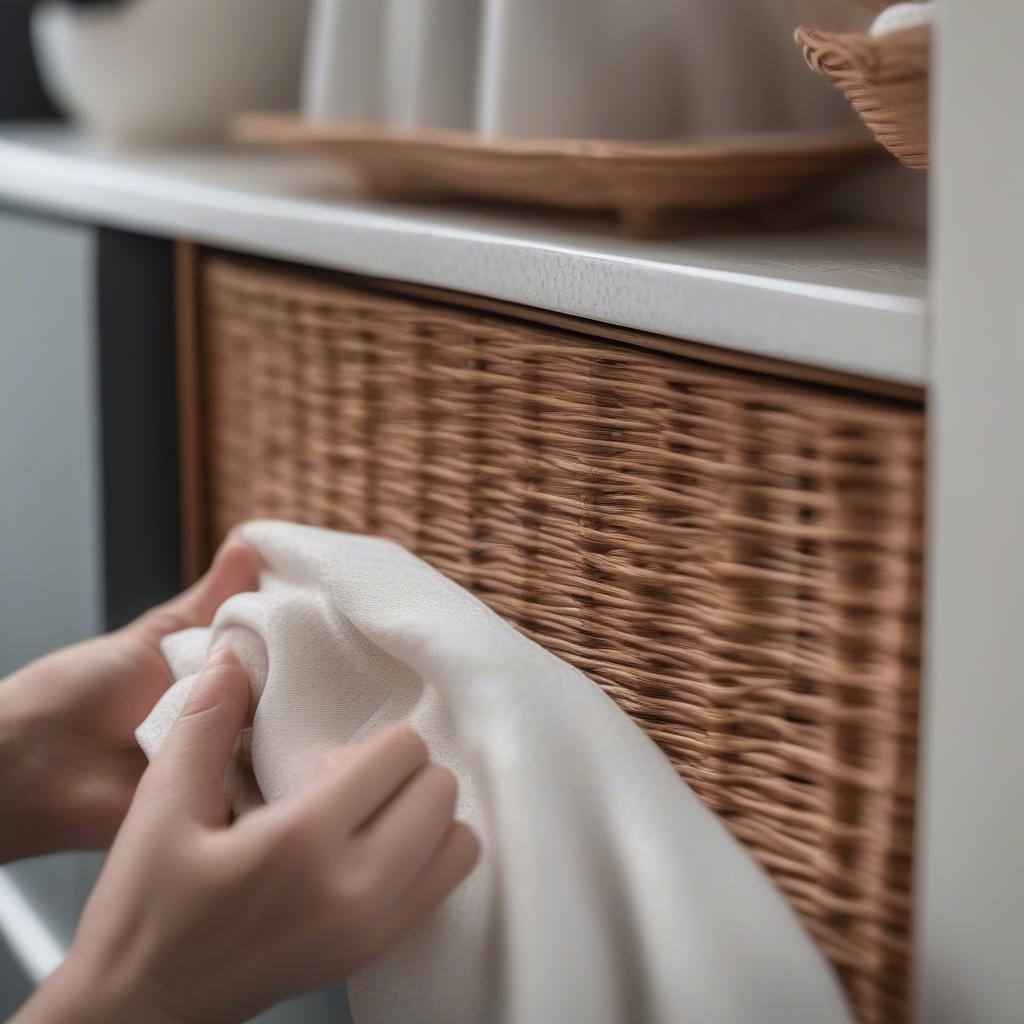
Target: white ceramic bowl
{"type": "Point", "coordinates": [155, 71]}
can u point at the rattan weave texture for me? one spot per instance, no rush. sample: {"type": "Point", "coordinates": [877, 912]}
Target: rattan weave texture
{"type": "Point", "coordinates": [734, 558]}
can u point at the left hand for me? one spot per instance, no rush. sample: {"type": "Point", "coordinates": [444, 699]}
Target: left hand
{"type": "Point", "coordinates": [69, 762]}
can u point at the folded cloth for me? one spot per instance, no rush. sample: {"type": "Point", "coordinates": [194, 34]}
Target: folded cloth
{"type": "Point", "coordinates": [606, 893]}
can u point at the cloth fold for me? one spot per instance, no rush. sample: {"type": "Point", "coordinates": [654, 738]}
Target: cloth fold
{"type": "Point", "coordinates": [606, 893]}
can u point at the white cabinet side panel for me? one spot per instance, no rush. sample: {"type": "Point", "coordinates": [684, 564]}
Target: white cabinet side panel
{"type": "Point", "coordinates": [971, 893]}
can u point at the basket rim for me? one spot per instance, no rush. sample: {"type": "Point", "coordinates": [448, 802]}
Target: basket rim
{"type": "Point", "coordinates": [845, 58]}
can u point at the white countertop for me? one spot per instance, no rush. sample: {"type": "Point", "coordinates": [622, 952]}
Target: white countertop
{"type": "Point", "coordinates": [846, 297]}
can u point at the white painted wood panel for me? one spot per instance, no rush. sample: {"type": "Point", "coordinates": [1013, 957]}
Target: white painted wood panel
{"type": "Point", "coordinates": [971, 894]}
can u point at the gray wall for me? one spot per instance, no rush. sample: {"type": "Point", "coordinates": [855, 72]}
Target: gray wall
{"type": "Point", "coordinates": [50, 527]}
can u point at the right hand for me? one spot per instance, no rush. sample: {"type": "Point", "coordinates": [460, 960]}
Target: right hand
{"type": "Point", "coordinates": [195, 921]}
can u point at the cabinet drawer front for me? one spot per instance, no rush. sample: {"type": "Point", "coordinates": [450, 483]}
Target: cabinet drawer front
{"type": "Point", "coordinates": [736, 559]}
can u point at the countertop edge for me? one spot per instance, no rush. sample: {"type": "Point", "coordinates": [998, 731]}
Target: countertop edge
{"type": "Point", "coordinates": [869, 333]}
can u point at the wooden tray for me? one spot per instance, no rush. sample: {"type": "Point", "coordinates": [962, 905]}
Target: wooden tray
{"type": "Point", "coordinates": [638, 181]}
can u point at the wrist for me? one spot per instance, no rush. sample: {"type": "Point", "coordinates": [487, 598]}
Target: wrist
{"type": "Point", "coordinates": [22, 805]}
{"type": "Point", "coordinates": [37, 777]}
{"type": "Point", "coordinates": [78, 994]}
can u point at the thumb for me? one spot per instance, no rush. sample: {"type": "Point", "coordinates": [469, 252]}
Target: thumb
{"type": "Point", "coordinates": [236, 568]}
{"type": "Point", "coordinates": [191, 765]}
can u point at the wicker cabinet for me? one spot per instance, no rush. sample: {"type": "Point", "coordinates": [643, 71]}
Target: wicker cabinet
{"type": "Point", "coordinates": [733, 556]}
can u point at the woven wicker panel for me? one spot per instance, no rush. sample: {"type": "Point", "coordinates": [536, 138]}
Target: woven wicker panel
{"type": "Point", "coordinates": [735, 559]}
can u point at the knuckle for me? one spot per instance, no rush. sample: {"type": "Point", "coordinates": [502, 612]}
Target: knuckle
{"type": "Point", "coordinates": [292, 839]}
{"type": "Point", "coordinates": [358, 892]}
{"type": "Point", "coordinates": [203, 697]}
{"type": "Point", "coordinates": [226, 868]}
{"type": "Point", "coordinates": [199, 708]}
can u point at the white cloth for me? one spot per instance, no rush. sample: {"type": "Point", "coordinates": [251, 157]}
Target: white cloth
{"type": "Point", "coordinates": [607, 893]}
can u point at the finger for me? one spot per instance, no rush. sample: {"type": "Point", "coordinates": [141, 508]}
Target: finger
{"type": "Point", "coordinates": [454, 859]}
{"type": "Point", "coordinates": [235, 569]}
{"type": "Point", "coordinates": [404, 836]}
{"type": "Point", "coordinates": [190, 767]}
{"type": "Point", "coordinates": [247, 801]}
{"type": "Point", "coordinates": [367, 776]}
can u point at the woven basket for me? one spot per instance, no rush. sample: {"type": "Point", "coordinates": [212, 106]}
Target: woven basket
{"type": "Point", "coordinates": [734, 558]}
{"type": "Point", "coordinates": [885, 78]}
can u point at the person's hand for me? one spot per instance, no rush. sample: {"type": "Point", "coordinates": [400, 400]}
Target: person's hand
{"type": "Point", "coordinates": [195, 921]}
{"type": "Point", "coordinates": [69, 763]}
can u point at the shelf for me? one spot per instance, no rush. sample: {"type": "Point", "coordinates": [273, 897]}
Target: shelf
{"type": "Point", "coordinates": [847, 297]}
